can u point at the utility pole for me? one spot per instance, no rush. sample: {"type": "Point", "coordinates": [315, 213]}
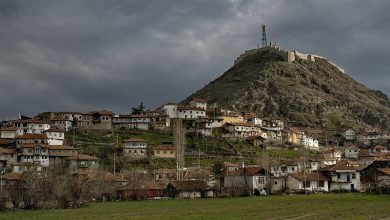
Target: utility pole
{"type": "Point", "coordinates": [304, 169]}
{"type": "Point", "coordinates": [263, 36]}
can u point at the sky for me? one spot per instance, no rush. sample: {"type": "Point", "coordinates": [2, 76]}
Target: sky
{"type": "Point", "coordinates": [84, 55]}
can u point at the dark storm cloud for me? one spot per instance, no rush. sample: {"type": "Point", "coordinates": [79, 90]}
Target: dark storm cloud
{"type": "Point", "coordinates": [87, 55]}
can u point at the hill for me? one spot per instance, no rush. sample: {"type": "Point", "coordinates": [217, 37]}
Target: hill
{"type": "Point", "coordinates": [307, 90]}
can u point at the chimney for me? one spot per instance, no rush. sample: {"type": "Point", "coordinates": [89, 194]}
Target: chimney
{"type": "Point", "coordinates": [243, 164]}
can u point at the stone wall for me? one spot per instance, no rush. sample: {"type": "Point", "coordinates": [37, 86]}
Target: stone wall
{"type": "Point", "coordinates": [290, 56]}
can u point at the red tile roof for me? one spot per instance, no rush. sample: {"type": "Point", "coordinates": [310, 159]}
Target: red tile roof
{"type": "Point", "coordinates": [7, 150]}
{"type": "Point", "coordinates": [164, 147]}
{"type": "Point", "coordinates": [32, 145]}
{"type": "Point", "coordinates": [189, 108]}
{"type": "Point", "coordinates": [385, 171]}
{"type": "Point", "coordinates": [12, 176]}
{"type": "Point", "coordinates": [102, 112]}
{"type": "Point", "coordinates": [59, 118]}
{"type": "Point", "coordinates": [61, 147]}
{"type": "Point", "coordinates": [309, 176]}
{"type": "Point", "coordinates": [248, 171]}
{"type": "Point", "coordinates": [33, 136]}
{"type": "Point", "coordinates": [8, 129]}
{"type": "Point", "coordinates": [242, 124]}
{"type": "Point", "coordinates": [31, 121]}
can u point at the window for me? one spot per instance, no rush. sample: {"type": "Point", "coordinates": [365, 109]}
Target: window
{"type": "Point", "coordinates": [276, 182]}
{"type": "Point", "coordinates": [261, 180]}
{"type": "Point", "coordinates": [171, 152]}
{"type": "Point", "coordinates": [338, 176]}
{"type": "Point", "coordinates": [307, 184]}
{"type": "Point", "coordinates": [321, 184]}
{"type": "Point", "coordinates": [353, 176]}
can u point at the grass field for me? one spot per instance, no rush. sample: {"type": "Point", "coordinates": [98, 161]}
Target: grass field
{"type": "Point", "coordinates": [329, 206]}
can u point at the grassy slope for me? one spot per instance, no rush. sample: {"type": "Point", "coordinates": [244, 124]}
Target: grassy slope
{"type": "Point", "coordinates": [327, 206]}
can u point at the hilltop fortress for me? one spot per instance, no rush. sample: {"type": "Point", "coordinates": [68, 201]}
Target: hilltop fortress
{"type": "Point", "coordinates": [290, 56]}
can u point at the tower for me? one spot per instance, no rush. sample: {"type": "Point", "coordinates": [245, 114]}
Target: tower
{"type": "Point", "coordinates": [263, 36]}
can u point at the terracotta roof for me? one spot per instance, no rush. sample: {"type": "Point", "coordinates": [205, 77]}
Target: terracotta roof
{"type": "Point", "coordinates": [189, 108]}
{"type": "Point", "coordinates": [83, 157]}
{"type": "Point", "coordinates": [5, 141]}
{"type": "Point", "coordinates": [164, 147]}
{"type": "Point", "coordinates": [33, 136]}
{"type": "Point", "coordinates": [229, 164]}
{"type": "Point", "coordinates": [345, 165]}
{"type": "Point", "coordinates": [138, 116]}
{"type": "Point", "coordinates": [385, 171]}
{"type": "Point", "coordinates": [251, 138]}
{"type": "Point", "coordinates": [53, 129]}
{"type": "Point", "coordinates": [94, 174]}
{"type": "Point", "coordinates": [134, 140]}
{"type": "Point", "coordinates": [144, 184]}
{"type": "Point", "coordinates": [32, 145]}
{"type": "Point", "coordinates": [296, 129]}
{"type": "Point", "coordinates": [199, 100]}
{"type": "Point", "coordinates": [7, 150]}
{"type": "Point", "coordinates": [12, 176]}
{"type": "Point", "coordinates": [102, 112]}
{"type": "Point", "coordinates": [309, 176]}
{"type": "Point", "coordinates": [8, 129]}
{"type": "Point", "coordinates": [32, 121]}
{"type": "Point", "coordinates": [232, 114]}
{"type": "Point", "coordinates": [248, 171]}
{"type": "Point", "coordinates": [379, 147]}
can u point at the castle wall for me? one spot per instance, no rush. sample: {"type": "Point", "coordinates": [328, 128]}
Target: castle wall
{"type": "Point", "coordinates": [290, 56]}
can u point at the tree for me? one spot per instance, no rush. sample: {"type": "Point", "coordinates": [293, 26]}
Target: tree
{"type": "Point", "coordinates": [218, 170]}
{"type": "Point", "coordinates": [138, 110]}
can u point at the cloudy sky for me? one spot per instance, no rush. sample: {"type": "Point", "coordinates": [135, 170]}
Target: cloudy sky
{"type": "Point", "coordinates": [90, 55]}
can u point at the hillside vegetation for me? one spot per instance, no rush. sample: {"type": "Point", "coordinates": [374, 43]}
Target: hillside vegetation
{"type": "Point", "coordinates": [310, 94]}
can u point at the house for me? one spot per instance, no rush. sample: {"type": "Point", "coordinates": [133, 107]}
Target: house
{"type": "Point", "coordinates": [232, 117]}
{"type": "Point", "coordinates": [96, 120]}
{"type": "Point", "coordinates": [8, 133]}
{"type": "Point", "coordinates": [135, 147]}
{"type": "Point", "coordinates": [242, 130]}
{"type": "Point", "coordinates": [8, 157]}
{"type": "Point", "coordinates": [251, 118]}
{"type": "Point", "coordinates": [141, 122]}
{"type": "Point", "coordinates": [331, 156]}
{"type": "Point", "coordinates": [165, 175]}
{"type": "Point", "coordinates": [143, 189]}
{"type": "Point", "coordinates": [10, 179]}
{"type": "Point", "coordinates": [61, 123]}
{"type": "Point", "coordinates": [55, 136]}
{"type": "Point", "coordinates": [376, 175]}
{"type": "Point", "coordinates": [30, 126]}
{"type": "Point", "coordinates": [378, 149]}
{"type": "Point", "coordinates": [345, 176]}
{"type": "Point", "coordinates": [35, 153]}
{"type": "Point", "coordinates": [190, 112]}
{"type": "Point", "coordinates": [273, 124]}
{"type": "Point", "coordinates": [24, 167]}
{"type": "Point", "coordinates": [311, 182]}
{"type": "Point", "coordinates": [82, 161]}
{"type": "Point", "coordinates": [199, 103]}
{"type": "Point", "coordinates": [247, 179]}
{"type": "Point", "coordinates": [257, 140]}
{"type": "Point", "coordinates": [349, 134]}
{"type": "Point", "coordinates": [295, 135]}
{"type": "Point", "coordinates": [31, 139]}
{"type": "Point", "coordinates": [352, 152]}
{"type": "Point", "coordinates": [285, 167]}
{"type": "Point", "coordinates": [164, 151]}
{"type": "Point", "coordinates": [191, 189]}
{"type": "Point", "coordinates": [59, 153]}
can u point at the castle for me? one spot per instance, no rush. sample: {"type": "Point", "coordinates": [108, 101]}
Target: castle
{"type": "Point", "coordinates": [290, 56]}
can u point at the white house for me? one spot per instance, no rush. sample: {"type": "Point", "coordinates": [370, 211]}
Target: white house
{"type": "Point", "coordinates": [349, 134]}
{"type": "Point", "coordinates": [30, 126]}
{"type": "Point", "coordinates": [55, 136]}
{"type": "Point", "coordinates": [199, 103]}
{"type": "Point", "coordinates": [61, 123]}
{"type": "Point", "coordinates": [352, 152]}
{"type": "Point", "coordinates": [35, 153]}
{"type": "Point", "coordinates": [135, 147]}
{"type": "Point", "coordinates": [8, 132]}
{"type": "Point", "coordinates": [96, 120]}
{"type": "Point", "coordinates": [251, 178]}
{"type": "Point", "coordinates": [190, 112]}
{"type": "Point", "coordinates": [310, 143]}
{"type": "Point", "coordinates": [312, 182]}
{"type": "Point", "coordinates": [31, 139]}
{"type": "Point", "coordinates": [345, 176]}
{"type": "Point", "coordinates": [242, 130]}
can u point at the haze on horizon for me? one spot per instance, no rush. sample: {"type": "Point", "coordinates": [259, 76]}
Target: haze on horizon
{"type": "Point", "coordinates": [83, 55]}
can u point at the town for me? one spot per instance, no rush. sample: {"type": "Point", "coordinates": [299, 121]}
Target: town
{"type": "Point", "coordinates": [52, 145]}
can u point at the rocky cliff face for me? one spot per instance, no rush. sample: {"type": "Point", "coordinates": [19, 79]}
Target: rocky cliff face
{"type": "Point", "coordinates": [307, 93]}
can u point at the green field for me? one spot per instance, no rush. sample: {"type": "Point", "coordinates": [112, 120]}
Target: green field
{"type": "Point", "coordinates": [327, 206]}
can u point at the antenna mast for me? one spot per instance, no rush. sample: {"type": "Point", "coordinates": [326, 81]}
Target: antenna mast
{"type": "Point", "coordinates": [263, 36]}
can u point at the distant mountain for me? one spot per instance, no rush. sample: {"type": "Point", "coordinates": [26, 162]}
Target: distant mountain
{"type": "Point", "coordinates": [308, 90]}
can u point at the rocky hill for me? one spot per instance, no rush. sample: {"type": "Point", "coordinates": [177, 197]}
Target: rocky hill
{"type": "Point", "coordinates": [307, 93]}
